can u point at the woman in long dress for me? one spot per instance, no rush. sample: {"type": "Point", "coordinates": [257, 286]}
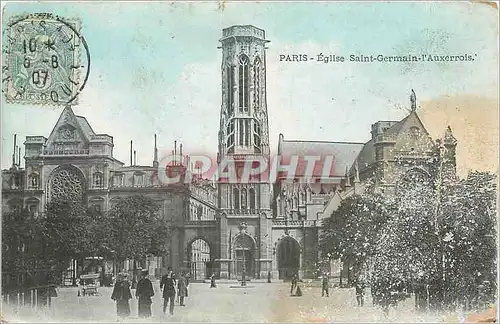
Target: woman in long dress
{"type": "Point", "coordinates": [144, 292]}
{"type": "Point", "coordinates": [181, 287]}
{"type": "Point", "coordinates": [121, 295]}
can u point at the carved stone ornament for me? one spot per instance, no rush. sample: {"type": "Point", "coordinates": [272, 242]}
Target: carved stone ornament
{"type": "Point", "coordinates": [243, 227]}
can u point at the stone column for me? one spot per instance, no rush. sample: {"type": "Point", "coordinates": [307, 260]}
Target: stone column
{"type": "Point", "coordinates": [224, 248]}
{"type": "Point", "coordinates": [265, 240]}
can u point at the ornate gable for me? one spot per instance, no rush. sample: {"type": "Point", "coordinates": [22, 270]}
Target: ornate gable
{"type": "Point", "coordinates": [68, 133]}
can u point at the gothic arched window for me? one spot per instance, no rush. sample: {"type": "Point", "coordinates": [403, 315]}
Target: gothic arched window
{"type": "Point", "coordinates": [236, 198]}
{"type": "Point", "coordinates": [256, 83]}
{"type": "Point", "coordinates": [243, 89]}
{"type": "Point", "coordinates": [230, 89]}
{"type": "Point", "coordinates": [252, 198]}
{"type": "Point", "coordinates": [244, 199]}
{"type": "Point", "coordinates": [66, 185]}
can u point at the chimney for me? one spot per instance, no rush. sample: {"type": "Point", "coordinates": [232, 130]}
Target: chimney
{"type": "Point", "coordinates": [155, 156]}
{"type": "Point", "coordinates": [175, 152]}
{"type": "Point", "coordinates": [180, 154]}
{"type": "Point", "coordinates": [14, 154]}
{"type": "Point", "coordinates": [19, 158]}
{"type": "Point", "coordinates": [130, 153]}
{"type": "Point", "coordinates": [135, 160]}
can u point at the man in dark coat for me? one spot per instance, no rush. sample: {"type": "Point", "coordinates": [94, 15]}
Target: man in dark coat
{"type": "Point", "coordinates": [360, 292]}
{"type": "Point", "coordinates": [212, 281]}
{"type": "Point", "coordinates": [295, 281]}
{"type": "Point", "coordinates": [325, 285]}
{"type": "Point", "coordinates": [144, 293]}
{"type": "Point", "coordinates": [168, 285]}
{"type": "Point", "coordinates": [181, 287]}
{"type": "Point", "coordinates": [121, 294]}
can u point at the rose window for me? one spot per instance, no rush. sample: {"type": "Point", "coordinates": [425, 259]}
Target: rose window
{"type": "Point", "coordinates": [66, 185]}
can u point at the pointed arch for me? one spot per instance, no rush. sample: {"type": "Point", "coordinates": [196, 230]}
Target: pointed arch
{"type": "Point", "coordinates": [244, 199]}
{"type": "Point", "coordinates": [251, 194]}
{"type": "Point", "coordinates": [243, 84]}
{"type": "Point", "coordinates": [236, 198]}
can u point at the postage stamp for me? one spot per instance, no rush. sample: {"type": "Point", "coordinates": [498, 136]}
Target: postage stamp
{"type": "Point", "coordinates": [43, 60]}
{"type": "Point", "coordinates": [250, 161]}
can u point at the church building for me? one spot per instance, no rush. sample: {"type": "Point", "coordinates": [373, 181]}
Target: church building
{"type": "Point", "coordinates": [225, 228]}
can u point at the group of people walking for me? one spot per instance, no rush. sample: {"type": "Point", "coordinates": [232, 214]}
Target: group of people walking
{"type": "Point", "coordinates": [359, 286]}
{"type": "Point", "coordinates": [170, 284]}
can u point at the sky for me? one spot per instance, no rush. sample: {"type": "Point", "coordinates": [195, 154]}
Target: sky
{"type": "Point", "coordinates": [155, 68]}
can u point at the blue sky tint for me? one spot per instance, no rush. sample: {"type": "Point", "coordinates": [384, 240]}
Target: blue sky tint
{"type": "Point", "coordinates": [156, 67]}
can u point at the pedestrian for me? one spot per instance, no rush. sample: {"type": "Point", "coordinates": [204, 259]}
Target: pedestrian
{"type": "Point", "coordinates": [168, 285]}
{"type": "Point", "coordinates": [181, 287]}
{"type": "Point", "coordinates": [360, 292]}
{"type": "Point", "coordinates": [188, 278]}
{"type": "Point", "coordinates": [295, 279]}
{"type": "Point", "coordinates": [325, 285]}
{"type": "Point", "coordinates": [269, 277]}
{"type": "Point", "coordinates": [121, 295]}
{"type": "Point", "coordinates": [144, 293]}
{"type": "Point", "coordinates": [212, 281]}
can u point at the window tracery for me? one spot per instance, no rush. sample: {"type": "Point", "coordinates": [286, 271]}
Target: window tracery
{"type": "Point", "coordinates": [243, 198]}
{"type": "Point", "coordinates": [236, 198]}
{"type": "Point", "coordinates": [67, 185]}
{"type": "Point", "coordinates": [243, 90]}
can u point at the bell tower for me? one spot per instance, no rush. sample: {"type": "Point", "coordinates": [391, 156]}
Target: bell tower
{"type": "Point", "coordinates": [243, 133]}
{"type": "Point", "coordinates": [243, 122]}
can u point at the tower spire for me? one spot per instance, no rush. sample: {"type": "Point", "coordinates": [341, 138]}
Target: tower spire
{"type": "Point", "coordinates": [413, 100]}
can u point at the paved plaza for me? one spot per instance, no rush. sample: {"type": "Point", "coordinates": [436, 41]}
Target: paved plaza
{"type": "Point", "coordinates": [260, 302]}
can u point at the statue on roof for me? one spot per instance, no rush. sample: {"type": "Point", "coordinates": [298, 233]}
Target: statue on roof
{"type": "Point", "coordinates": [413, 100]}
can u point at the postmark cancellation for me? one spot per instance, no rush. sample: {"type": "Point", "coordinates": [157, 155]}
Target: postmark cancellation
{"type": "Point", "coordinates": [43, 62]}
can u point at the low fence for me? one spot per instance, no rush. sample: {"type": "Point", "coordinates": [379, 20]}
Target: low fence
{"type": "Point", "coordinates": [38, 296]}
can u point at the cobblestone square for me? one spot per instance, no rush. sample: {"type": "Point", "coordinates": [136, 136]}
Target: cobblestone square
{"type": "Point", "coordinates": [259, 302]}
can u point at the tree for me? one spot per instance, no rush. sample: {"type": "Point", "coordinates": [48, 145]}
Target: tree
{"type": "Point", "coordinates": [69, 232]}
{"type": "Point", "coordinates": [351, 232]}
{"type": "Point", "coordinates": [136, 229]}
{"type": "Point", "coordinates": [21, 248]}
{"type": "Point", "coordinates": [469, 223]}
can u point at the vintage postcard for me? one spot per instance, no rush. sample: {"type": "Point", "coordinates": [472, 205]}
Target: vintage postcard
{"type": "Point", "coordinates": [249, 161]}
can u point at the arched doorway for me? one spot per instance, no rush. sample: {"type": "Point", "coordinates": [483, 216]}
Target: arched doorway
{"type": "Point", "coordinates": [244, 255]}
{"type": "Point", "coordinates": [288, 258]}
{"type": "Point", "coordinates": [199, 259]}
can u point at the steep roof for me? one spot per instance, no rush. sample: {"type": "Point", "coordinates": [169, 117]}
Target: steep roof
{"type": "Point", "coordinates": [343, 154]}
{"type": "Point", "coordinates": [85, 126]}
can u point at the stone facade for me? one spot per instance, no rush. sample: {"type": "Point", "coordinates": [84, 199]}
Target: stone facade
{"type": "Point", "coordinates": [252, 228]}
